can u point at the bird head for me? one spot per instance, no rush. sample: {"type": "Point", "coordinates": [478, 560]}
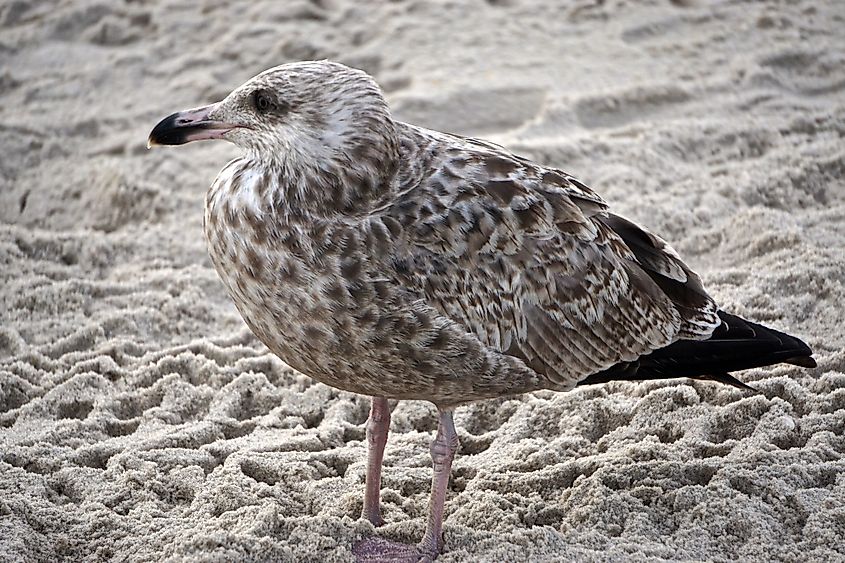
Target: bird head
{"type": "Point", "coordinates": [305, 114]}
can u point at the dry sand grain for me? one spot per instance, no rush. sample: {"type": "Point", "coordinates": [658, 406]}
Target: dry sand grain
{"type": "Point", "coordinates": [140, 421]}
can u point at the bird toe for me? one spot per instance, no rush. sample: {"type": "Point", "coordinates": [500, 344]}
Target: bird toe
{"type": "Point", "coordinates": [380, 550]}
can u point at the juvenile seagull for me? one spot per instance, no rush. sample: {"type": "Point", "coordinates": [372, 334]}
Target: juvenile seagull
{"type": "Point", "coordinates": [402, 263]}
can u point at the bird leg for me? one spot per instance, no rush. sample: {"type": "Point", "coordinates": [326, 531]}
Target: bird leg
{"type": "Point", "coordinates": [443, 450]}
{"type": "Point", "coordinates": [377, 427]}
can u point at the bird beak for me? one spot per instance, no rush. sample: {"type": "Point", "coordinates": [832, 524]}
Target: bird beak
{"type": "Point", "coordinates": [189, 125]}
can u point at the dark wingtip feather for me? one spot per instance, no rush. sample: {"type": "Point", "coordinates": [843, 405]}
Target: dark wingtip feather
{"type": "Point", "coordinates": [803, 361]}
{"type": "Point", "coordinates": [728, 379]}
{"type": "Point", "coordinates": [735, 345]}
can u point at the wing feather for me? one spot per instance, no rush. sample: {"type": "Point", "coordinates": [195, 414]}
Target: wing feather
{"type": "Point", "coordinates": [530, 261]}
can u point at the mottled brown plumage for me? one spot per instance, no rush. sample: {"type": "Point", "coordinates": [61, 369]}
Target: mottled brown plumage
{"type": "Point", "coordinates": [393, 261]}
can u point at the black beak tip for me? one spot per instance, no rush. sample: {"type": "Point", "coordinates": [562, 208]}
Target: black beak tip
{"type": "Point", "coordinates": [167, 132]}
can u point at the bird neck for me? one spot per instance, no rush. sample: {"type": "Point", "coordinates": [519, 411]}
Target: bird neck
{"type": "Point", "coordinates": [322, 181]}
{"type": "Point", "coordinates": [297, 187]}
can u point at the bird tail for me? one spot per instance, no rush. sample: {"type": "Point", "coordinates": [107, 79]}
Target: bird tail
{"type": "Point", "coordinates": [735, 345]}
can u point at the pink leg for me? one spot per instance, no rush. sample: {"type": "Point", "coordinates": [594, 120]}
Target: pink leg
{"type": "Point", "coordinates": [443, 450]}
{"type": "Point", "coordinates": [377, 427]}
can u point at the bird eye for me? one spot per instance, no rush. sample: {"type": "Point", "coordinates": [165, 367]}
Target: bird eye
{"type": "Point", "coordinates": [262, 101]}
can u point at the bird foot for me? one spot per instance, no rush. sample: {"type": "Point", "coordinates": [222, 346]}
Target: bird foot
{"type": "Point", "coordinates": [380, 550]}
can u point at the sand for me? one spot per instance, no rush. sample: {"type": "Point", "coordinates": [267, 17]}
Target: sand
{"type": "Point", "coordinates": [140, 420]}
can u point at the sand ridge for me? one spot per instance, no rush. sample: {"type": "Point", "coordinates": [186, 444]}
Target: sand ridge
{"type": "Point", "coordinates": [140, 420]}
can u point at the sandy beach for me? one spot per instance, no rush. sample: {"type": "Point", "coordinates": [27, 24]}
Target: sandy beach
{"type": "Point", "coordinates": [141, 421]}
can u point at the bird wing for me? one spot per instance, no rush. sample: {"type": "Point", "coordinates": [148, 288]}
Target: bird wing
{"type": "Point", "coordinates": [530, 261]}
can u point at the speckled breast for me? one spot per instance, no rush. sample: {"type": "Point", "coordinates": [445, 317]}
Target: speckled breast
{"type": "Point", "coordinates": [278, 282]}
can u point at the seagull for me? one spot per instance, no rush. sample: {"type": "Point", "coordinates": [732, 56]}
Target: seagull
{"type": "Point", "coordinates": [401, 263]}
